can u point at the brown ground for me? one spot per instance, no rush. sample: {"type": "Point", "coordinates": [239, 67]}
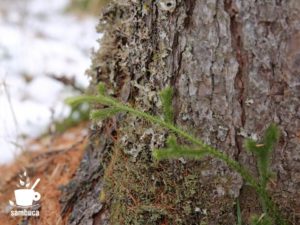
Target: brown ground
{"type": "Point", "coordinates": [55, 164]}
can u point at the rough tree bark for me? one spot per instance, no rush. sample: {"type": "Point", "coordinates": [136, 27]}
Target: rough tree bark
{"type": "Point", "coordinates": [234, 66]}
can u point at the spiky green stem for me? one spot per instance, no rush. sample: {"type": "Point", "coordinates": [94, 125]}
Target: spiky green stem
{"type": "Point", "coordinates": [203, 148]}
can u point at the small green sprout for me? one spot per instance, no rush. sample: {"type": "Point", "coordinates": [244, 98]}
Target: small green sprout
{"type": "Point", "coordinates": [166, 97]}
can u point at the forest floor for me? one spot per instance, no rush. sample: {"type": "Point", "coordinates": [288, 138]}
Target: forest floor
{"type": "Point", "coordinates": [45, 49]}
{"type": "Point", "coordinates": [54, 164]}
{"type": "Point", "coordinates": [39, 42]}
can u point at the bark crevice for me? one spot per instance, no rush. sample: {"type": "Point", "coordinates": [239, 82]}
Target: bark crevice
{"type": "Point", "coordinates": [242, 60]}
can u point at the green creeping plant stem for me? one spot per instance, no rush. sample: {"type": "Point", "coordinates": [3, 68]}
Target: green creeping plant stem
{"type": "Point", "coordinates": [238, 213]}
{"type": "Point", "coordinates": [108, 101]}
{"type": "Point", "coordinates": [201, 149]}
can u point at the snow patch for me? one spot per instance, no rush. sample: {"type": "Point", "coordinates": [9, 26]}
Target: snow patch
{"type": "Point", "coordinates": [38, 38]}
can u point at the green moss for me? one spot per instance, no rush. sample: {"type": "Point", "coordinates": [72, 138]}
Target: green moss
{"type": "Point", "coordinates": [145, 192]}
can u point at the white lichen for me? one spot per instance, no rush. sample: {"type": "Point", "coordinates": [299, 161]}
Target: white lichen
{"type": "Point", "coordinates": [167, 5]}
{"type": "Point", "coordinates": [249, 101]}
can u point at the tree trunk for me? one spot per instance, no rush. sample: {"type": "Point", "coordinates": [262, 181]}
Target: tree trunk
{"type": "Point", "coordinates": [234, 66]}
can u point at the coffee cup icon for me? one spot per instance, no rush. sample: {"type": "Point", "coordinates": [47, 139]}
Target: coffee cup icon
{"type": "Point", "coordinates": [25, 197]}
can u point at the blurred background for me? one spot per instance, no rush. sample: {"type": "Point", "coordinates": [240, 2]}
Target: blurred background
{"type": "Point", "coordinates": [45, 49]}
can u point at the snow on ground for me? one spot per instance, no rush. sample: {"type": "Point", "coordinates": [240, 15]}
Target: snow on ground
{"type": "Point", "coordinates": [38, 38]}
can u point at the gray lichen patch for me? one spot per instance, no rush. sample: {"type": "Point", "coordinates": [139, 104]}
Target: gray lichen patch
{"type": "Point", "coordinates": [137, 135]}
{"type": "Point", "coordinates": [222, 133]}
